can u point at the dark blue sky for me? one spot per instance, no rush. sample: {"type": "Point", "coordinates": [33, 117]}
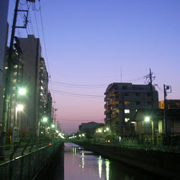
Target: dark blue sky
{"type": "Point", "coordinates": [102, 41]}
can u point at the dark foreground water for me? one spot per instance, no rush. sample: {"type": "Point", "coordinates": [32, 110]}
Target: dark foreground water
{"type": "Point", "coordinates": [80, 164]}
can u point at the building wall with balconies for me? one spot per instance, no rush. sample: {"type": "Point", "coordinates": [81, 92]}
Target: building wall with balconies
{"type": "Point", "coordinates": [122, 100]}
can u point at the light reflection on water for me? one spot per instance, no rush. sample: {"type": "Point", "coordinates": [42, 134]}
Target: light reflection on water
{"type": "Point", "coordinates": [80, 164]}
{"type": "Point", "coordinates": [100, 166]}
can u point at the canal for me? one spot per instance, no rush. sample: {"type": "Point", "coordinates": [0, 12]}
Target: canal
{"type": "Point", "coordinates": [80, 164]}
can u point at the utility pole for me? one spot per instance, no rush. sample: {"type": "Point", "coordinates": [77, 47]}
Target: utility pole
{"type": "Point", "coordinates": [167, 89]}
{"type": "Point", "coordinates": [150, 79]}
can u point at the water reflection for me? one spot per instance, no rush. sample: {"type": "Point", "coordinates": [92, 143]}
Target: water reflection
{"type": "Point", "coordinates": [74, 150]}
{"type": "Point", "coordinates": [82, 160]}
{"type": "Point", "coordinates": [100, 162]}
{"type": "Point", "coordinates": [107, 163]}
{"type": "Point", "coordinates": [80, 164]}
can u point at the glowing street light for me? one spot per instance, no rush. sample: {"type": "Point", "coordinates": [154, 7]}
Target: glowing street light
{"type": "Point", "coordinates": [147, 119]}
{"type": "Point", "coordinates": [52, 126]}
{"type": "Point", "coordinates": [22, 91]}
{"type": "Point", "coordinates": [99, 130]}
{"type": "Point", "coordinates": [44, 119]}
{"type": "Point", "coordinates": [19, 107]}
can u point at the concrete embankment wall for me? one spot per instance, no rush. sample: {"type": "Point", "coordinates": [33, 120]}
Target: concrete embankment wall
{"type": "Point", "coordinates": [157, 162]}
{"type": "Point", "coordinates": [54, 165]}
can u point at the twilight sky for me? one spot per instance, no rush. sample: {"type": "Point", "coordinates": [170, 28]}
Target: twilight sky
{"type": "Point", "coordinates": [91, 43]}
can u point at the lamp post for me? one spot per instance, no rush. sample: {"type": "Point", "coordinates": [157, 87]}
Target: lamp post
{"type": "Point", "coordinates": [22, 91]}
{"type": "Point", "coordinates": [147, 119]}
{"type": "Point", "coordinates": [44, 122]}
{"type": "Point", "coordinates": [15, 135]}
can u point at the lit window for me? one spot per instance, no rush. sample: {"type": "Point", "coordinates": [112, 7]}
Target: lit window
{"type": "Point", "coordinates": [14, 80]}
{"type": "Point", "coordinates": [126, 119]}
{"type": "Point", "coordinates": [15, 73]}
{"type": "Point", "coordinates": [133, 122]}
{"type": "Point", "coordinates": [42, 87]}
{"type": "Point", "coordinates": [126, 102]}
{"type": "Point", "coordinates": [127, 111]}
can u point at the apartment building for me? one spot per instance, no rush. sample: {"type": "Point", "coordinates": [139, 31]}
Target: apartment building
{"type": "Point", "coordinates": [32, 81]}
{"type": "Point", "coordinates": [3, 45]}
{"type": "Point", "coordinates": [122, 101]}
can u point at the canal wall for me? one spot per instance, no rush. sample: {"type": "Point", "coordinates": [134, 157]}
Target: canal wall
{"type": "Point", "coordinates": [161, 163]}
{"type": "Point", "coordinates": [54, 165]}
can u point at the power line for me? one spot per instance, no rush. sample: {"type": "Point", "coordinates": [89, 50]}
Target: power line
{"type": "Point", "coordinates": [35, 17]}
{"type": "Point", "coordinates": [77, 94]}
{"type": "Point", "coordinates": [70, 84]}
{"type": "Point", "coordinates": [80, 85]}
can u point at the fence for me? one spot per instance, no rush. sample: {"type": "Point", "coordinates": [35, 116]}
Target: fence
{"type": "Point", "coordinates": [24, 162]}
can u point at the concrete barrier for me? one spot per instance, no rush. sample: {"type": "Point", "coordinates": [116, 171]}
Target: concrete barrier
{"type": "Point", "coordinates": [161, 163]}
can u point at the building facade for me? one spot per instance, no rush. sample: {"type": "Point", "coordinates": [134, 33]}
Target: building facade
{"type": "Point", "coordinates": [3, 44]}
{"type": "Point", "coordinates": [153, 127]}
{"type": "Point", "coordinates": [31, 80]}
{"type": "Point", "coordinates": [122, 100]}
{"type": "Point", "coordinates": [170, 103]}
{"type": "Point", "coordinates": [43, 94]}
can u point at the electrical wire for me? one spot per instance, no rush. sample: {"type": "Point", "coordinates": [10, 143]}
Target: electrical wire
{"type": "Point", "coordinates": [77, 94]}
{"type": "Point", "coordinates": [67, 84]}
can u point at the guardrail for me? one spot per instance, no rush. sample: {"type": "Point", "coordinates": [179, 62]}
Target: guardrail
{"type": "Point", "coordinates": [27, 161]}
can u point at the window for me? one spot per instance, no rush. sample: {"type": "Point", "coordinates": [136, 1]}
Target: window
{"type": "Point", "coordinates": [126, 94]}
{"type": "Point", "coordinates": [149, 94]}
{"type": "Point", "coordinates": [124, 87]}
{"type": "Point", "coordinates": [126, 111]}
{"type": "Point", "coordinates": [137, 94]}
{"type": "Point", "coordinates": [126, 102]}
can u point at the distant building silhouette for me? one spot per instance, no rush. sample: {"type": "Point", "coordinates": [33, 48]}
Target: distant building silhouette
{"type": "Point", "coordinates": [89, 128]}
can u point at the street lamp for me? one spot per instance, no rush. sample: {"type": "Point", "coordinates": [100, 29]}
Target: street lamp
{"type": "Point", "coordinates": [99, 130]}
{"type": "Point", "coordinates": [19, 107]}
{"type": "Point", "coordinates": [147, 119]}
{"type": "Point", "coordinates": [22, 91]}
{"type": "Point", "coordinates": [15, 135]}
{"type": "Point", "coordinates": [44, 119]}
{"type": "Point", "coordinates": [52, 126]}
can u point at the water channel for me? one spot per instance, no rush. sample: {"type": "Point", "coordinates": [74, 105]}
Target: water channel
{"type": "Point", "coordinates": [80, 164]}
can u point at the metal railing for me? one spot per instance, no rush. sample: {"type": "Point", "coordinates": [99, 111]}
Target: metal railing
{"type": "Point", "coordinates": [24, 162]}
